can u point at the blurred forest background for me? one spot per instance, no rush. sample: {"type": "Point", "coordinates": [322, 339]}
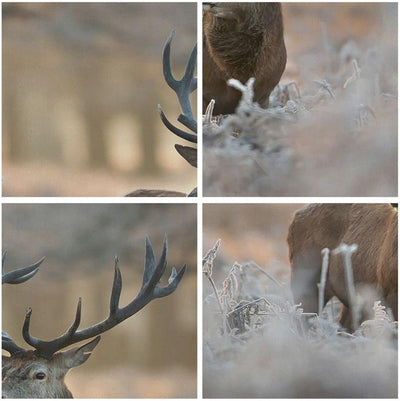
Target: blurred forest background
{"type": "Point", "coordinates": [257, 232]}
{"type": "Point", "coordinates": [81, 84]}
{"type": "Point", "coordinates": [150, 355]}
{"type": "Point", "coordinates": [337, 151]}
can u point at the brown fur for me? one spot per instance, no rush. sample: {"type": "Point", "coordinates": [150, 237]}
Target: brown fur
{"type": "Point", "coordinates": [241, 40]}
{"type": "Point", "coordinates": [20, 377]}
{"type": "Point", "coordinates": [155, 193]}
{"type": "Point", "coordinates": [28, 375]}
{"type": "Point", "coordinates": [373, 227]}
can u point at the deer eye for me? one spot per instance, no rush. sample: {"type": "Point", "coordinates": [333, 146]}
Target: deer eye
{"type": "Point", "coordinates": [40, 375]}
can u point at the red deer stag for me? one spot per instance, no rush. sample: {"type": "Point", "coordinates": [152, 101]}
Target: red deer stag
{"type": "Point", "coordinates": [373, 227]}
{"type": "Point", "coordinates": [40, 373]}
{"type": "Point", "coordinates": [183, 89]}
{"type": "Point", "coordinates": [241, 41]}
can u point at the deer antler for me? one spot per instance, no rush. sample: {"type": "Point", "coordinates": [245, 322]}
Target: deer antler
{"type": "Point", "coordinates": [8, 344]}
{"type": "Point", "coordinates": [15, 276]}
{"type": "Point", "coordinates": [183, 89]}
{"type": "Point", "coordinates": [150, 290]}
{"type": "Point", "coordinates": [20, 275]}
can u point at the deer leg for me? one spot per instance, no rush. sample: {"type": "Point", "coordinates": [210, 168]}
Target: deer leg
{"type": "Point", "coordinates": [306, 273]}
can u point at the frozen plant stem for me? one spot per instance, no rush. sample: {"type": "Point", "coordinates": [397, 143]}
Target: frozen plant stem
{"type": "Point", "coordinates": [209, 258]}
{"type": "Point", "coordinates": [260, 269]}
{"type": "Point", "coordinates": [215, 293]}
{"type": "Point", "coordinates": [347, 251]}
{"type": "Point", "coordinates": [207, 270]}
{"type": "Point", "coordinates": [322, 284]}
{"type": "Point", "coordinates": [355, 75]}
{"type": "Point", "coordinates": [207, 118]}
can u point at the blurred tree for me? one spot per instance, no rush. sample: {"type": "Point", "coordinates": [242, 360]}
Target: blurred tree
{"type": "Point", "coordinates": [102, 60]}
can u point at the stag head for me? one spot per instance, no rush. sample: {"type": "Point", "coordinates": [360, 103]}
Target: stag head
{"type": "Point", "coordinates": [28, 375]}
{"type": "Point", "coordinates": [40, 373]}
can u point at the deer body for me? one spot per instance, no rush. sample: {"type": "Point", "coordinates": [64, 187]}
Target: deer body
{"type": "Point", "coordinates": [373, 227]}
{"type": "Point", "coordinates": [241, 40]}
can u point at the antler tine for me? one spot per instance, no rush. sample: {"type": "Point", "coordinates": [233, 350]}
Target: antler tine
{"type": "Point", "coordinates": [175, 130]}
{"type": "Point", "coordinates": [20, 275]}
{"type": "Point", "coordinates": [8, 344]}
{"type": "Point", "coordinates": [116, 288]}
{"type": "Point", "coordinates": [16, 276]}
{"type": "Point", "coordinates": [152, 273]}
{"type": "Point", "coordinates": [149, 290]}
{"type": "Point", "coordinates": [187, 84]}
{"type": "Point", "coordinates": [48, 348]}
{"type": "Point", "coordinates": [183, 89]}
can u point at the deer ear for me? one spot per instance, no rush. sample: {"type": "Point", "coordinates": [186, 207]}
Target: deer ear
{"type": "Point", "coordinates": [76, 356]}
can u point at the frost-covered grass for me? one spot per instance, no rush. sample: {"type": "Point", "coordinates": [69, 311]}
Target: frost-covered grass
{"type": "Point", "coordinates": [329, 131]}
{"type": "Point", "coordinates": [257, 343]}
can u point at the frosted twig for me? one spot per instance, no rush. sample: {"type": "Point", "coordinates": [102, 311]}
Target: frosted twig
{"type": "Point", "coordinates": [247, 89]}
{"type": "Point", "coordinates": [246, 102]}
{"type": "Point", "coordinates": [355, 75]}
{"type": "Point", "coordinates": [260, 269]}
{"type": "Point", "coordinates": [207, 118]}
{"type": "Point", "coordinates": [379, 312]}
{"type": "Point", "coordinates": [271, 305]}
{"type": "Point", "coordinates": [208, 259]}
{"type": "Point", "coordinates": [207, 270]}
{"type": "Point", "coordinates": [322, 284]}
{"type": "Point", "coordinates": [230, 285]}
{"type": "Point", "coordinates": [325, 85]}
{"type": "Point", "coordinates": [282, 94]}
{"type": "Point", "coordinates": [294, 84]}
{"type": "Point", "coordinates": [381, 326]}
{"type": "Point", "coordinates": [225, 322]}
{"type": "Point", "coordinates": [347, 251]}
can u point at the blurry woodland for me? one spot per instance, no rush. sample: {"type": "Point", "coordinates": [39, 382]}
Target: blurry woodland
{"type": "Point", "coordinates": [331, 129]}
{"type": "Point", "coordinates": [253, 344]}
{"type": "Point", "coordinates": [255, 233]}
{"type": "Point", "coordinates": [81, 85]}
{"type": "Point", "coordinates": [150, 355]}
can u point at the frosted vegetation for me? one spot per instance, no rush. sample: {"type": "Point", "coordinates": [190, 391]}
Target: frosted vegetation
{"type": "Point", "coordinates": [257, 343]}
{"type": "Point", "coordinates": [330, 132]}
